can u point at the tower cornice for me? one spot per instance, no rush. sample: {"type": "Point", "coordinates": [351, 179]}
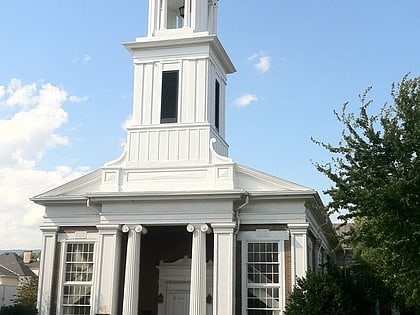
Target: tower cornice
{"type": "Point", "coordinates": [158, 43]}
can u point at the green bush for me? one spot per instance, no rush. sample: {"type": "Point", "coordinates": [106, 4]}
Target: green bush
{"type": "Point", "coordinates": [332, 290]}
{"type": "Point", "coordinates": [18, 309]}
{"type": "Point", "coordinates": [320, 293]}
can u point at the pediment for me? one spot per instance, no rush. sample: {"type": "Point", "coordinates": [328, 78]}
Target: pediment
{"type": "Point", "coordinates": [80, 186]}
{"type": "Point", "coordinates": [253, 180]}
{"type": "Point", "coordinates": [244, 178]}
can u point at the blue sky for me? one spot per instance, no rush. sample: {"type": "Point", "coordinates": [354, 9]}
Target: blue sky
{"type": "Point", "coordinates": [66, 86]}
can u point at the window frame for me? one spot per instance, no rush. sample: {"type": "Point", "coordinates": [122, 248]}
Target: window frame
{"type": "Point", "coordinates": [217, 104]}
{"type": "Point", "coordinates": [164, 107]}
{"type": "Point", "coordinates": [263, 236]}
{"type": "Point", "coordinates": [76, 238]}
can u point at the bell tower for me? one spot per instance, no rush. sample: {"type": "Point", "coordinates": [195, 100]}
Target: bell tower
{"type": "Point", "coordinates": [194, 16]}
{"type": "Point", "coordinates": [180, 77]}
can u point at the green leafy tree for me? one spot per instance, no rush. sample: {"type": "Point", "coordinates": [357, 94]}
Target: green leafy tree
{"type": "Point", "coordinates": [375, 169]}
{"type": "Point", "coordinates": [26, 299]}
{"type": "Point", "coordinates": [27, 293]}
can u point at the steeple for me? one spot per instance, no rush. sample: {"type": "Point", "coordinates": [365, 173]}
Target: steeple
{"type": "Point", "coordinates": [180, 77]}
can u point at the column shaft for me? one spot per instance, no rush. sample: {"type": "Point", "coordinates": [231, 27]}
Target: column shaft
{"type": "Point", "coordinates": [132, 269]}
{"type": "Point", "coordinates": [198, 269]}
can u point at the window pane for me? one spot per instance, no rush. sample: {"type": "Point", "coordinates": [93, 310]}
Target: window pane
{"type": "Point", "coordinates": [263, 298]}
{"type": "Point", "coordinates": [263, 266]}
{"type": "Point", "coordinates": [169, 99]}
{"type": "Point", "coordinates": [217, 105]}
{"type": "Point", "coordinates": [263, 286]}
{"type": "Point", "coordinates": [78, 268]}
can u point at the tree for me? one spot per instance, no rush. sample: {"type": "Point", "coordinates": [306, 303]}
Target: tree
{"type": "Point", "coordinates": [375, 169]}
{"type": "Point", "coordinates": [26, 299]}
{"type": "Point", "coordinates": [28, 291]}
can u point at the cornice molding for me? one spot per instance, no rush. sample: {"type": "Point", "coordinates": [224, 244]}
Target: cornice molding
{"type": "Point", "coordinates": [155, 43]}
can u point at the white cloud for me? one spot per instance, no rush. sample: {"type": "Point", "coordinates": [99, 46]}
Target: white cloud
{"type": "Point", "coordinates": [245, 100]}
{"type": "Point", "coordinates": [35, 114]}
{"type": "Point", "coordinates": [30, 131]}
{"type": "Point", "coordinates": [263, 63]}
{"type": "Point", "coordinates": [18, 94]}
{"type": "Point", "coordinates": [87, 58]}
{"type": "Point", "coordinates": [127, 123]}
{"type": "Point", "coordinates": [20, 218]}
{"type": "Point", "coordinates": [2, 91]}
{"type": "Point", "coordinates": [83, 60]}
{"type": "Point", "coordinates": [78, 99]}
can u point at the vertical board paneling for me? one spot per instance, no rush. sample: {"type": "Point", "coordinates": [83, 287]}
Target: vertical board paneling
{"type": "Point", "coordinates": [183, 144]}
{"type": "Point", "coordinates": [146, 118]}
{"type": "Point", "coordinates": [204, 145]}
{"type": "Point", "coordinates": [173, 145]}
{"type": "Point", "coordinates": [189, 89]}
{"type": "Point", "coordinates": [201, 90]}
{"type": "Point", "coordinates": [144, 146]}
{"type": "Point", "coordinates": [155, 102]}
{"type": "Point", "coordinates": [134, 150]}
{"type": "Point", "coordinates": [138, 93]}
{"type": "Point", "coordinates": [194, 144]}
{"type": "Point", "coordinates": [163, 145]}
{"type": "Point", "coordinates": [222, 108]}
{"type": "Point", "coordinates": [153, 146]}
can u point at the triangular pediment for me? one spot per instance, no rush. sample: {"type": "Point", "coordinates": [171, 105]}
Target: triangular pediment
{"type": "Point", "coordinates": [253, 180]}
{"type": "Point", "coordinates": [244, 178]}
{"type": "Point", "coordinates": [80, 186]}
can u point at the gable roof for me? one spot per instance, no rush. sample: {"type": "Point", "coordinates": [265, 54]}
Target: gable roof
{"type": "Point", "coordinates": [253, 180]}
{"type": "Point", "coordinates": [4, 272]}
{"type": "Point", "coordinates": [10, 263]}
{"type": "Point", "coordinates": [244, 178]}
{"type": "Point", "coordinates": [87, 183]}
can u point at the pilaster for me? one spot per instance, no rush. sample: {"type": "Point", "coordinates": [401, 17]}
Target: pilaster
{"type": "Point", "coordinates": [299, 250]}
{"type": "Point", "coordinates": [108, 262]}
{"type": "Point", "coordinates": [198, 268]}
{"type": "Point", "coordinates": [46, 273]}
{"type": "Point", "coordinates": [223, 279]}
{"type": "Point", "coordinates": [132, 269]}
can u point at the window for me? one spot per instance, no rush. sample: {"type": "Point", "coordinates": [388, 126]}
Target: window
{"type": "Point", "coordinates": [263, 278]}
{"type": "Point", "coordinates": [263, 271]}
{"type": "Point", "coordinates": [78, 276]}
{"type": "Point", "coordinates": [217, 105]}
{"type": "Point", "coordinates": [169, 99]}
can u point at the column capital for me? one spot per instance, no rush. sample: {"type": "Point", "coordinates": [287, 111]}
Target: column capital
{"type": "Point", "coordinates": [49, 228]}
{"type": "Point", "coordinates": [138, 228]}
{"type": "Point", "coordinates": [226, 228]}
{"type": "Point", "coordinates": [298, 228]}
{"type": "Point", "coordinates": [200, 227]}
{"type": "Point", "coordinates": [108, 228]}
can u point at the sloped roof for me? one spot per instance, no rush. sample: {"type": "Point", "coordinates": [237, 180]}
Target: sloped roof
{"type": "Point", "coordinates": [12, 263]}
{"type": "Point", "coordinates": [86, 184]}
{"type": "Point", "coordinates": [6, 272]}
{"type": "Point", "coordinates": [244, 179]}
{"type": "Point", "coordinates": [253, 180]}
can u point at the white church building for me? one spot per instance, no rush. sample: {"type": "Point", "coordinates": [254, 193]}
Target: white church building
{"type": "Point", "coordinates": [174, 226]}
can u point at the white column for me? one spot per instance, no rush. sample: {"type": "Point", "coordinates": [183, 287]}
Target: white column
{"type": "Point", "coordinates": [198, 269]}
{"type": "Point", "coordinates": [132, 268]}
{"type": "Point", "coordinates": [108, 262]}
{"type": "Point", "coordinates": [46, 272]}
{"type": "Point", "coordinates": [299, 250]}
{"type": "Point", "coordinates": [223, 269]}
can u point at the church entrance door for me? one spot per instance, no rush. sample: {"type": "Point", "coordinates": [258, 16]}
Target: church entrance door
{"type": "Point", "coordinates": [178, 297]}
